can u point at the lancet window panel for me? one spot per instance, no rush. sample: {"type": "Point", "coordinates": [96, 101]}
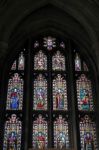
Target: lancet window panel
{"type": "Point", "coordinates": [84, 94]}
{"type": "Point", "coordinates": [40, 133]}
{"type": "Point", "coordinates": [21, 61]}
{"type": "Point", "coordinates": [58, 61]}
{"type": "Point", "coordinates": [77, 62]}
{"type": "Point", "coordinates": [12, 133]}
{"type": "Point", "coordinates": [13, 65]}
{"type": "Point", "coordinates": [15, 93]}
{"type": "Point", "coordinates": [40, 61]}
{"type": "Point", "coordinates": [40, 93]}
{"type": "Point", "coordinates": [61, 133]}
{"type": "Point", "coordinates": [88, 133]}
{"type": "Point", "coordinates": [85, 67]}
{"type": "Point", "coordinates": [59, 93]}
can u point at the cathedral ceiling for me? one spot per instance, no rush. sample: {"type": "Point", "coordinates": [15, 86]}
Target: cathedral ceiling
{"type": "Point", "coordinates": [74, 19]}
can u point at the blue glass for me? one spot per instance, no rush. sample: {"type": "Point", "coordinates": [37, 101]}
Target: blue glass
{"type": "Point", "coordinates": [14, 99]}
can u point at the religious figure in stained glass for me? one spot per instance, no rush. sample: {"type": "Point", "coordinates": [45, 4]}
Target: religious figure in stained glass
{"type": "Point", "coordinates": [13, 66]}
{"type": "Point", "coordinates": [40, 93]}
{"type": "Point", "coordinates": [40, 61]}
{"type": "Point", "coordinates": [58, 61]}
{"type": "Point", "coordinates": [77, 63]}
{"type": "Point", "coordinates": [61, 137]}
{"type": "Point", "coordinates": [15, 93]}
{"type": "Point", "coordinates": [88, 134]}
{"type": "Point", "coordinates": [12, 134]}
{"type": "Point", "coordinates": [49, 42]}
{"type": "Point", "coordinates": [21, 62]}
{"type": "Point", "coordinates": [59, 93]}
{"type": "Point", "coordinates": [84, 94]}
{"type": "Point", "coordinates": [40, 136]}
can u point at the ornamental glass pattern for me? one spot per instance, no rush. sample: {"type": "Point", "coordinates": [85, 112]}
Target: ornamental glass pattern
{"type": "Point", "coordinates": [59, 93]}
{"type": "Point", "coordinates": [40, 133]}
{"type": "Point", "coordinates": [12, 133]}
{"type": "Point", "coordinates": [15, 93]}
{"type": "Point", "coordinates": [84, 94]}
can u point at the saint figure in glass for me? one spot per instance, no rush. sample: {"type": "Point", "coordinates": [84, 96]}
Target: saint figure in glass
{"type": "Point", "coordinates": [40, 93]}
{"type": "Point", "coordinates": [61, 136]}
{"type": "Point", "coordinates": [84, 94]}
{"type": "Point", "coordinates": [40, 136]}
{"type": "Point", "coordinates": [40, 61]}
{"type": "Point", "coordinates": [15, 93]}
{"type": "Point", "coordinates": [58, 61]}
{"type": "Point", "coordinates": [12, 134]}
{"type": "Point", "coordinates": [59, 93]}
{"type": "Point", "coordinates": [88, 134]}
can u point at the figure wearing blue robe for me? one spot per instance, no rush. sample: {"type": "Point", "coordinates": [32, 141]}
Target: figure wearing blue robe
{"type": "Point", "coordinates": [14, 100]}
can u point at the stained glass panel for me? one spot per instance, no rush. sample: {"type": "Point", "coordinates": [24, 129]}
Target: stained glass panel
{"type": "Point", "coordinates": [62, 45]}
{"type": "Point", "coordinates": [36, 44]}
{"type": "Point", "coordinates": [61, 135]}
{"type": "Point", "coordinates": [85, 66]}
{"type": "Point", "coordinates": [21, 62]}
{"type": "Point", "coordinates": [49, 42]}
{"type": "Point", "coordinates": [88, 134]}
{"type": "Point", "coordinates": [58, 61]}
{"type": "Point", "coordinates": [77, 63]}
{"type": "Point", "coordinates": [14, 66]}
{"type": "Point", "coordinates": [40, 135]}
{"type": "Point", "coordinates": [40, 93]}
{"type": "Point", "coordinates": [59, 93]}
{"type": "Point", "coordinates": [15, 93]}
{"type": "Point", "coordinates": [40, 61]}
{"type": "Point", "coordinates": [84, 94]}
{"type": "Point", "coordinates": [12, 134]}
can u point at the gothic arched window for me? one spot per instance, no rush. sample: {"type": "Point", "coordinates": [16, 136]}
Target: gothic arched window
{"type": "Point", "coordinates": [50, 89]}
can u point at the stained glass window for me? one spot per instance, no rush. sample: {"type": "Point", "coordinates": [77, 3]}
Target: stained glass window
{"type": "Point", "coordinates": [40, 93]}
{"type": "Point", "coordinates": [40, 61]}
{"type": "Point", "coordinates": [14, 66]}
{"type": "Point", "coordinates": [59, 93]}
{"type": "Point", "coordinates": [77, 63]}
{"type": "Point", "coordinates": [61, 135]}
{"type": "Point", "coordinates": [58, 61]}
{"type": "Point", "coordinates": [41, 99]}
{"type": "Point", "coordinates": [40, 133]}
{"type": "Point", "coordinates": [12, 133]}
{"type": "Point", "coordinates": [84, 94]}
{"type": "Point", "coordinates": [15, 93]}
{"type": "Point", "coordinates": [88, 134]}
{"type": "Point", "coordinates": [21, 62]}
